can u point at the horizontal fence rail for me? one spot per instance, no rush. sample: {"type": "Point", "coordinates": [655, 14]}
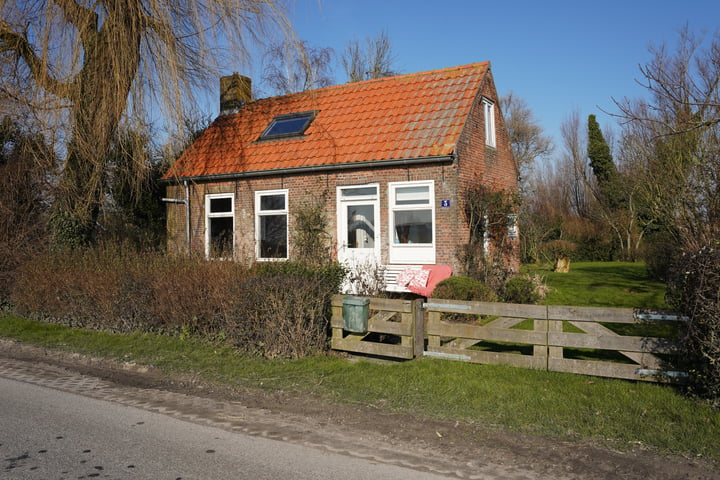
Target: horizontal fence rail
{"type": "Point", "coordinates": [606, 342]}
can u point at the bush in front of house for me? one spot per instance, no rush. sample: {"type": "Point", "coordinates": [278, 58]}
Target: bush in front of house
{"type": "Point", "coordinates": [694, 291]}
{"type": "Point", "coordinates": [521, 290]}
{"type": "Point", "coordinates": [279, 309]}
{"type": "Point", "coordinates": [117, 288]}
{"type": "Point", "coordinates": [528, 288]}
{"type": "Point", "coordinates": [464, 288]}
{"type": "Point", "coordinates": [283, 309]}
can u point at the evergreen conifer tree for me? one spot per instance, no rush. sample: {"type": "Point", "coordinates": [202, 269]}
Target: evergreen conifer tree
{"type": "Point", "coordinates": [601, 162]}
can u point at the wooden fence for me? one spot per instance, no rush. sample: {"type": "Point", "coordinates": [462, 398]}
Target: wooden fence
{"type": "Point", "coordinates": [581, 340]}
{"type": "Point", "coordinates": [394, 329]}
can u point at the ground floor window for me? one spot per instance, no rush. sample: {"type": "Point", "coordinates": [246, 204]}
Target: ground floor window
{"type": "Point", "coordinates": [271, 224]}
{"type": "Point", "coordinates": [220, 225]}
{"type": "Point", "coordinates": [412, 222]}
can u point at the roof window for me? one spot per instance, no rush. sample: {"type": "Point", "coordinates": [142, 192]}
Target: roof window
{"type": "Point", "coordinates": [288, 125]}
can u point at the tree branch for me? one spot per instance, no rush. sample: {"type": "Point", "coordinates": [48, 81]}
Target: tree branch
{"type": "Point", "coordinates": [18, 43]}
{"type": "Point", "coordinates": [84, 19]}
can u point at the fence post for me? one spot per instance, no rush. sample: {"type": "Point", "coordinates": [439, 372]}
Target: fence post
{"type": "Point", "coordinates": [555, 353]}
{"type": "Point", "coordinates": [541, 352]}
{"type": "Point", "coordinates": [418, 328]}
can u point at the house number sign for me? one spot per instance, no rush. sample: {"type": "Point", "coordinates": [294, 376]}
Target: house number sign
{"type": "Point", "coordinates": [445, 203]}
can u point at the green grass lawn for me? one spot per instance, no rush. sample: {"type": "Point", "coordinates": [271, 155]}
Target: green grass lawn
{"type": "Point", "coordinates": [602, 284]}
{"type": "Point", "coordinates": [616, 413]}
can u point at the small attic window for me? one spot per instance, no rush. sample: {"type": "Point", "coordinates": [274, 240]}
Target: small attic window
{"type": "Point", "coordinates": [288, 125]}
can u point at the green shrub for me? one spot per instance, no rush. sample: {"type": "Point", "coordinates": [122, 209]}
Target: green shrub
{"type": "Point", "coordinates": [521, 290]}
{"type": "Point", "coordinates": [694, 290]}
{"type": "Point", "coordinates": [464, 288]}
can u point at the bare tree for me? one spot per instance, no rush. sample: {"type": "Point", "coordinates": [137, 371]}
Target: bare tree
{"type": "Point", "coordinates": [527, 139]}
{"type": "Point", "coordinates": [372, 60]}
{"type": "Point", "coordinates": [91, 65]}
{"type": "Point", "coordinates": [295, 66]}
{"type": "Point", "coordinates": [543, 211]}
{"type": "Point", "coordinates": [574, 166]}
{"type": "Point", "coordinates": [672, 139]}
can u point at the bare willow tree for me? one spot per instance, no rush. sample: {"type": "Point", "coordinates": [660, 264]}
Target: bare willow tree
{"type": "Point", "coordinates": [87, 66]}
{"type": "Point", "coordinates": [296, 66]}
{"type": "Point", "coordinates": [372, 60]}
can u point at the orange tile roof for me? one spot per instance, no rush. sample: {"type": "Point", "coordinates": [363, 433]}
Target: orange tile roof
{"type": "Point", "coordinates": [403, 117]}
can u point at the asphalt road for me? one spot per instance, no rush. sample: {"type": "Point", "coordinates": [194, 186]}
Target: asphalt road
{"type": "Point", "coordinates": [58, 424]}
{"type": "Point", "coordinates": [51, 434]}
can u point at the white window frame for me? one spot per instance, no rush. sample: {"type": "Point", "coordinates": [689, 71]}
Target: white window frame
{"type": "Point", "coordinates": [259, 213]}
{"type": "Point", "coordinates": [411, 253]}
{"type": "Point", "coordinates": [210, 215]}
{"type": "Point", "coordinates": [489, 114]}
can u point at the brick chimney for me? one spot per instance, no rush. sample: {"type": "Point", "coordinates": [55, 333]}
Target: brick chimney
{"type": "Point", "coordinates": [235, 92]}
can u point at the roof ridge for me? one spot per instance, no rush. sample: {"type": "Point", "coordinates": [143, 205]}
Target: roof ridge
{"type": "Point", "coordinates": [392, 78]}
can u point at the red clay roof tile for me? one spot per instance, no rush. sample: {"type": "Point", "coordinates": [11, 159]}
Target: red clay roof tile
{"type": "Point", "coordinates": [406, 116]}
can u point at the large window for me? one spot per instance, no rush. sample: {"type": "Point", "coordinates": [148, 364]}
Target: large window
{"type": "Point", "coordinates": [489, 113]}
{"type": "Point", "coordinates": [412, 222]}
{"type": "Point", "coordinates": [271, 224]}
{"type": "Point", "coordinates": [220, 225]}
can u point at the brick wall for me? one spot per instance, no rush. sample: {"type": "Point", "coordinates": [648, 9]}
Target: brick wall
{"type": "Point", "coordinates": [309, 189]}
{"type": "Point", "coordinates": [491, 166]}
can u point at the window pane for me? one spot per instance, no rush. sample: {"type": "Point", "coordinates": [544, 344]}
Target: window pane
{"type": "Point", "coordinates": [359, 191]}
{"type": "Point", "coordinates": [419, 195]}
{"type": "Point", "coordinates": [221, 237]}
{"type": "Point", "coordinates": [413, 226]}
{"type": "Point", "coordinates": [273, 236]}
{"type": "Point", "coordinates": [361, 226]}
{"type": "Point", "coordinates": [272, 202]}
{"type": "Point", "coordinates": [221, 205]}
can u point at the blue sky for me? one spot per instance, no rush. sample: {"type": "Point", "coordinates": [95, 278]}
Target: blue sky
{"type": "Point", "coordinates": [560, 56]}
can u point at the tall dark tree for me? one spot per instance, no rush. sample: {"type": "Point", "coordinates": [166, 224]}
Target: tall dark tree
{"type": "Point", "coordinates": [603, 166]}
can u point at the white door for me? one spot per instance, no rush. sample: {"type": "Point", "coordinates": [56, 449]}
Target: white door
{"type": "Point", "coordinates": [358, 225]}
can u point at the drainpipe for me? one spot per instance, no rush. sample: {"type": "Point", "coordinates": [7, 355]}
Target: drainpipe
{"type": "Point", "coordinates": [187, 215]}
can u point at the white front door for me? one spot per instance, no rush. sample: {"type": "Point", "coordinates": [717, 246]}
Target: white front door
{"type": "Point", "coordinates": [358, 225]}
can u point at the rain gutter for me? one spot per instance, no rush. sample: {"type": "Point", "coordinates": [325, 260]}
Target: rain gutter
{"type": "Point", "coordinates": [405, 162]}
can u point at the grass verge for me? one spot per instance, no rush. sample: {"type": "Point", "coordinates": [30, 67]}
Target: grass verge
{"type": "Point", "coordinates": [615, 413]}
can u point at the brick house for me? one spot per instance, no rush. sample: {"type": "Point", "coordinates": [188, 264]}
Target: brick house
{"type": "Point", "coordinates": [388, 160]}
